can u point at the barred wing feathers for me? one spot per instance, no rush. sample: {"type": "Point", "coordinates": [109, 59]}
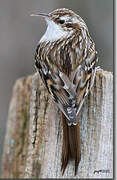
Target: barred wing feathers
{"type": "Point", "coordinates": [61, 89]}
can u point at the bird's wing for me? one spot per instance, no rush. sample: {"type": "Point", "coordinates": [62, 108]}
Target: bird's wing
{"type": "Point", "coordinates": [61, 89]}
{"type": "Point", "coordinates": [83, 78]}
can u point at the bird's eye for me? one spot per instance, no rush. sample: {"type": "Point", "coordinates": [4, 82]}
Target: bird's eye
{"type": "Point", "coordinates": [61, 21]}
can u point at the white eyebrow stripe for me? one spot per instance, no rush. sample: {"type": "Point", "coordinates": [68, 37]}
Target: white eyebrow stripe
{"type": "Point", "coordinates": [69, 19]}
{"type": "Point", "coordinates": [66, 18]}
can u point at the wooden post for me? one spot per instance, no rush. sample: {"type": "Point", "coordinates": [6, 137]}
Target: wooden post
{"type": "Point", "coordinates": [33, 140]}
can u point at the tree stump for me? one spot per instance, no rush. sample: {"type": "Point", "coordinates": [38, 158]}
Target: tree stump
{"type": "Point", "coordinates": [33, 142]}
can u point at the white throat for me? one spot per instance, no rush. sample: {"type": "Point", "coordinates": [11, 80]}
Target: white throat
{"type": "Point", "coordinates": [53, 32]}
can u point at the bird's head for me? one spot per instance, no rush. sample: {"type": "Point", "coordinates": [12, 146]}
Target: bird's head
{"type": "Point", "coordinates": [61, 23]}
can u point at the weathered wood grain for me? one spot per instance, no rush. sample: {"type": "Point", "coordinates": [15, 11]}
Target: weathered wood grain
{"type": "Point", "coordinates": [33, 140]}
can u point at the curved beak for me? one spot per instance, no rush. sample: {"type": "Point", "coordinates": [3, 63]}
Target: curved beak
{"type": "Point", "coordinates": [41, 15]}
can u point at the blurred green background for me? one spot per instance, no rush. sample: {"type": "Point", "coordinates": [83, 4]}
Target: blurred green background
{"type": "Point", "coordinates": [20, 33]}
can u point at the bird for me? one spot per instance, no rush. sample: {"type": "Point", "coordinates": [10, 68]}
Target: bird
{"type": "Point", "coordinates": [65, 58]}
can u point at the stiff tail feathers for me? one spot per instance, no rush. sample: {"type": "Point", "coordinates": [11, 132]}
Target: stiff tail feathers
{"type": "Point", "coordinates": [71, 144]}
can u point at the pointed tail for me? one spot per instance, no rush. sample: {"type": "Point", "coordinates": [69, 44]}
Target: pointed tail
{"type": "Point", "coordinates": [71, 144]}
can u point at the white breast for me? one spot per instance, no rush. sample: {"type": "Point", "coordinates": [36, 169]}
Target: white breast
{"type": "Point", "coordinates": [53, 32]}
